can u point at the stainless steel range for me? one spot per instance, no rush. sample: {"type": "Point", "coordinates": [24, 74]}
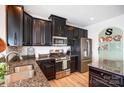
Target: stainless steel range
{"type": "Point", "coordinates": [62, 65]}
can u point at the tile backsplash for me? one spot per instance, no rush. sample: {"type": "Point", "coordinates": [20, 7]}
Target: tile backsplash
{"type": "Point", "coordinates": [23, 50]}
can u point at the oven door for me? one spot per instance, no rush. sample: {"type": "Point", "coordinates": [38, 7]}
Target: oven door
{"type": "Point", "coordinates": [58, 66]}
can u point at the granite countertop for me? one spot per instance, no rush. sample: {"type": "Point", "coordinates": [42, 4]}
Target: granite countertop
{"type": "Point", "coordinates": [47, 58]}
{"type": "Point", "coordinates": [103, 68]}
{"type": "Point", "coordinates": [73, 55]}
{"type": "Point", "coordinates": [38, 80]}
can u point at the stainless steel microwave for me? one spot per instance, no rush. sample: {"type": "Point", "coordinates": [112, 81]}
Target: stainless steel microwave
{"type": "Point", "coordinates": [59, 41]}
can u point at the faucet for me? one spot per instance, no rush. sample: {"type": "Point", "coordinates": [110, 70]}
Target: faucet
{"type": "Point", "coordinates": [13, 52]}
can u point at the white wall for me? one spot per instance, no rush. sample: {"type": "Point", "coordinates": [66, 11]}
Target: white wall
{"type": "Point", "coordinates": [94, 30]}
{"type": "Point", "coordinates": [2, 23]}
{"type": "Point", "coordinates": [38, 49]}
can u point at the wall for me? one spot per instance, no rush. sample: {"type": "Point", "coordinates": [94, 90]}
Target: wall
{"type": "Point", "coordinates": [38, 49]}
{"type": "Point", "coordinates": [95, 29]}
{"type": "Point", "coordinates": [2, 23]}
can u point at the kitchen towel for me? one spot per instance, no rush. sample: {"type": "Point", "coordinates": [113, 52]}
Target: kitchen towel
{"type": "Point", "coordinates": [64, 64]}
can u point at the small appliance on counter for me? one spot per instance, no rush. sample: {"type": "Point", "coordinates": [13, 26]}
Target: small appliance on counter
{"type": "Point", "coordinates": [30, 51]}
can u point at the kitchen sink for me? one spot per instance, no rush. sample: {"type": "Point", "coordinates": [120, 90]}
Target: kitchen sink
{"type": "Point", "coordinates": [23, 68]}
{"type": "Point", "coordinates": [21, 73]}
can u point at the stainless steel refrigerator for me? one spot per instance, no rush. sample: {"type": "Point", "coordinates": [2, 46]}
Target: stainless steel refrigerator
{"type": "Point", "coordinates": [83, 48]}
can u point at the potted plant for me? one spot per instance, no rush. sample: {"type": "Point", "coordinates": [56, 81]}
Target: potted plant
{"type": "Point", "coordinates": [3, 70]}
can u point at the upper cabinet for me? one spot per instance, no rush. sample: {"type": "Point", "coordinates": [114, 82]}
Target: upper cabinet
{"type": "Point", "coordinates": [38, 32]}
{"type": "Point", "coordinates": [83, 33]}
{"type": "Point", "coordinates": [70, 32]}
{"type": "Point", "coordinates": [75, 32]}
{"type": "Point", "coordinates": [41, 32]}
{"type": "Point", "coordinates": [14, 18]}
{"type": "Point", "coordinates": [25, 30]}
{"type": "Point", "coordinates": [27, 33]}
{"type": "Point", "coordinates": [48, 33]}
{"type": "Point", "coordinates": [58, 26]}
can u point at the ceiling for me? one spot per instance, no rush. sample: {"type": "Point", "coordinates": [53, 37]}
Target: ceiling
{"type": "Point", "coordinates": [78, 15]}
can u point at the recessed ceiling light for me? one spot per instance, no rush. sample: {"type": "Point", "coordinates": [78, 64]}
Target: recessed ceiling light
{"type": "Point", "coordinates": [91, 18]}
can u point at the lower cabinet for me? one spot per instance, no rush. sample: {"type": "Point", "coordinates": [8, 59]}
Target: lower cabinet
{"type": "Point", "coordinates": [74, 63]}
{"type": "Point", "coordinates": [48, 68]}
{"type": "Point", "coordinates": [54, 70]}
{"type": "Point", "coordinates": [103, 78]}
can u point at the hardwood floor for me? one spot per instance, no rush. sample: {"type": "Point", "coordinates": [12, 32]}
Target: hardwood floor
{"type": "Point", "coordinates": [74, 80]}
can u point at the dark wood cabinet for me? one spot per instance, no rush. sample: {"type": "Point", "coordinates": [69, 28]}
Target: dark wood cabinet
{"type": "Point", "coordinates": [58, 26]}
{"type": "Point", "coordinates": [38, 32]}
{"type": "Point", "coordinates": [27, 33]}
{"type": "Point", "coordinates": [14, 19]}
{"type": "Point", "coordinates": [74, 63]}
{"type": "Point", "coordinates": [75, 32]}
{"type": "Point", "coordinates": [41, 32]}
{"type": "Point", "coordinates": [48, 68]}
{"type": "Point", "coordinates": [48, 33]}
{"type": "Point", "coordinates": [83, 33]}
{"type": "Point", "coordinates": [102, 78]}
{"type": "Point", "coordinates": [23, 29]}
{"type": "Point", "coordinates": [70, 32]}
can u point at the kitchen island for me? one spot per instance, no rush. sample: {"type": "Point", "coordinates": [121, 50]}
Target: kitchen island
{"type": "Point", "coordinates": [38, 80]}
{"type": "Point", "coordinates": [102, 77]}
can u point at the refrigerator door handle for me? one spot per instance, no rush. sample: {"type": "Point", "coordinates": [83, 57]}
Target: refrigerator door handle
{"type": "Point", "coordinates": [88, 48]}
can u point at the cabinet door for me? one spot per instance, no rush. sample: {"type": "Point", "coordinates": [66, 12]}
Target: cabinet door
{"type": "Point", "coordinates": [27, 33]}
{"type": "Point", "coordinates": [70, 32]}
{"type": "Point", "coordinates": [48, 68]}
{"type": "Point", "coordinates": [14, 25]}
{"type": "Point", "coordinates": [38, 32]}
{"type": "Point", "coordinates": [55, 27]}
{"type": "Point", "coordinates": [74, 64]}
{"type": "Point", "coordinates": [83, 33]}
{"type": "Point", "coordinates": [62, 28]}
{"type": "Point", "coordinates": [76, 33]}
{"type": "Point", "coordinates": [48, 34]}
{"type": "Point", "coordinates": [58, 26]}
